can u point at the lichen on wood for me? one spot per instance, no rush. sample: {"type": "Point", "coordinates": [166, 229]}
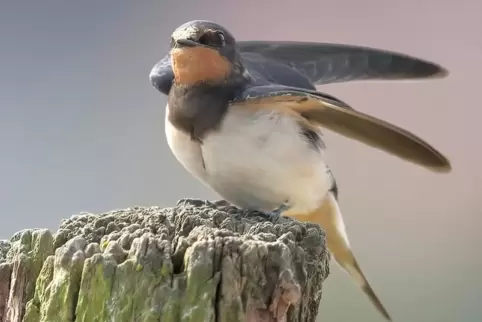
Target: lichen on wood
{"type": "Point", "coordinates": [197, 261]}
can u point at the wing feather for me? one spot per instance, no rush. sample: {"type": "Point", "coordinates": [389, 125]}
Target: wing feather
{"type": "Point", "coordinates": [324, 63]}
{"type": "Point", "coordinates": [338, 117]}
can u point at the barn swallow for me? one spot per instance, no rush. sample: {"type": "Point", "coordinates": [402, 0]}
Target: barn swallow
{"type": "Point", "coordinates": [245, 118]}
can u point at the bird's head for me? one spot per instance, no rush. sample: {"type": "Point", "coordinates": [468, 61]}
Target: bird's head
{"type": "Point", "coordinates": [204, 52]}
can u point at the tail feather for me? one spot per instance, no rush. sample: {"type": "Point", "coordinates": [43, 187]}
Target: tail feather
{"type": "Point", "coordinates": [328, 216]}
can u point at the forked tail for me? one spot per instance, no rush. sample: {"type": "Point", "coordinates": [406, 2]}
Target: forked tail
{"type": "Point", "coordinates": [329, 217]}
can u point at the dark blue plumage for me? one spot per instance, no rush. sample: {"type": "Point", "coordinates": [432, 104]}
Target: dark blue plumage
{"type": "Point", "coordinates": [304, 64]}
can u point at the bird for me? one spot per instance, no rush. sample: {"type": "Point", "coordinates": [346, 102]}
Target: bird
{"type": "Point", "coordinates": [246, 119]}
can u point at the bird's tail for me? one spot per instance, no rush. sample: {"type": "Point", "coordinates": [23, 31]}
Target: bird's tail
{"type": "Point", "coordinates": [329, 217]}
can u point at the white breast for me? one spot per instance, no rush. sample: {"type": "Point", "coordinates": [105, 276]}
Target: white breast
{"type": "Point", "coordinates": [257, 159]}
{"type": "Point", "coordinates": [186, 151]}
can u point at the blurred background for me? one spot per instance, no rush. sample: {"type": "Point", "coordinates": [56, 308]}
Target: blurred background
{"type": "Point", "coordinates": [81, 129]}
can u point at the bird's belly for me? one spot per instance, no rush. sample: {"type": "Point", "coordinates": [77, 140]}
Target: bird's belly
{"type": "Point", "coordinates": [261, 160]}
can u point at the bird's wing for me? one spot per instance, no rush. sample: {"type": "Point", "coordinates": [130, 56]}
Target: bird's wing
{"type": "Point", "coordinates": [323, 63]}
{"type": "Point", "coordinates": [333, 114]}
{"type": "Point", "coordinates": [304, 64]}
{"type": "Point", "coordinates": [162, 75]}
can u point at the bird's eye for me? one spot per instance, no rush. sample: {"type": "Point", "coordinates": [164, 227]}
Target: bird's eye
{"type": "Point", "coordinates": [221, 39]}
{"type": "Point", "coordinates": [213, 39]}
{"type": "Point", "coordinates": [205, 40]}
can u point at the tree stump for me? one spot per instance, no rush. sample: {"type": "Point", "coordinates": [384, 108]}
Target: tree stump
{"type": "Point", "coordinates": [198, 261]}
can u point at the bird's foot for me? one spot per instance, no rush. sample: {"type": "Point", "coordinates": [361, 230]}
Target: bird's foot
{"type": "Point", "coordinates": [276, 214]}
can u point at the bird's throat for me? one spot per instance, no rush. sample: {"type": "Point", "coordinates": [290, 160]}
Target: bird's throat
{"type": "Point", "coordinates": [198, 109]}
{"type": "Point", "coordinates": [196, 65]}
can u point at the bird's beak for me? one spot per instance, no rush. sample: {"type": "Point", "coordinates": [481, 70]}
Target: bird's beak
{"type": "Point", "coordinates": [186, 43]}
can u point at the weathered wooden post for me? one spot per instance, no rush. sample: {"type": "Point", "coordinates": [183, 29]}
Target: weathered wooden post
{"type": "Point", "coordinates": [198, 261]}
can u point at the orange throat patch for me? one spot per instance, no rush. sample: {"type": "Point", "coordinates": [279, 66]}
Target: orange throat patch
{"type": "Point", "coordinates": [193, 65]}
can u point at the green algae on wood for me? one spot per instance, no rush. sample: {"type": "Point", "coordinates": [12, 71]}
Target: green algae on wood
{"type": "Point", "coordinates": [198, 261]}
{"type": "Point", "coordinates": [34, 311]}
{"type": "Point", "coordinates": [65, 283]}
{"type": "Point", "coordinates": [95, 288]}
{"type": "Point", "coordinates": [5, 273]}
{"type": "Point", "coordinates": [199, 303]}
{"type": "Point", "coordinates": [26, 254]}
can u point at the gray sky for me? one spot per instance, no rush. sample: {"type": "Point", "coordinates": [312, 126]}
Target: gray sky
{"type": "Point", "coordinates": [81, 129]}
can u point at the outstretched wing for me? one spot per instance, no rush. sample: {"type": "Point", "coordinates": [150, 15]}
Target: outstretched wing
{"type": "Point", "coordinates": [303, 64]}
{"type": "Point", "coordinates": [333, 114]}
{"type": "Point", "coordinates": [324, 63]}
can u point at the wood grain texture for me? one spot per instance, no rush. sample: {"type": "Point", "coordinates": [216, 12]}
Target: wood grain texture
{"type": "Point", "coordinates": [198, 261]}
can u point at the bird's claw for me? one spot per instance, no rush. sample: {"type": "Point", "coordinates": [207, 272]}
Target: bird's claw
{"type": "Point", "coordinates": [276, 214]}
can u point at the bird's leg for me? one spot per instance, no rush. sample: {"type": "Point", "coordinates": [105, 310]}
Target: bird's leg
{"type": "Point", "coordinates": [275, 214]}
